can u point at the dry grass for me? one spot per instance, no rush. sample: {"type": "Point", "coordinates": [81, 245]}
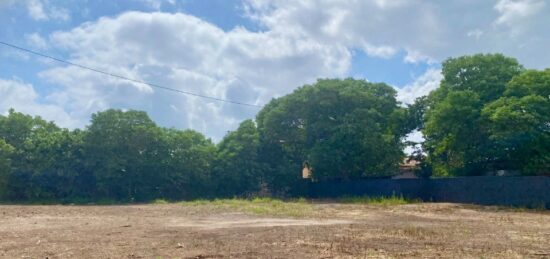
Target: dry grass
{"type": "Point", "coordinates": [212, 229]}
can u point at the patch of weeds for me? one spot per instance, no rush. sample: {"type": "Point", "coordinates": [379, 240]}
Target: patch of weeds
{"type": "Point", "coordinates": [258, 206]}
{"type": "Point", "coordinates": [199, 202]}
{"type": "Point", "coordinates": [299, 200]}
{"type": "Point", "coordinates": [380, 200]}
{"type": "Point", "coordinates": [160, 201]}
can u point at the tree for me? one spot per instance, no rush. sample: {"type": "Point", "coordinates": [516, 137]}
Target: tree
{"type": "Point", "coordinates": [343, 128]}
{"type": "Point", "coordinates": [237, 169]}
{"type": "Point", "coordinates": [53, 164]}
{"type": "Point", "coordinates": [416, 113]}
{"type": "Point", "coordinates": [17, 127]}
{"type": "Point", "coordinates": [457, 136]}
{"type": "Point", "coordinates": [118, 149]}
{"type": "Point", "coordinates": [6, 150]}
{"type": "Point", "coordinates": [122, 155]}
{"type": "Point", "coordinates": [133, 159]}
{"type": "Point", "coordinates": [182, 169]}
{"type": "Point", "coordinates": [520, 123]}
{"type": "Point", "coordinates": [484, 74]}
{"type": "Point", "coordinates": [32, 138]}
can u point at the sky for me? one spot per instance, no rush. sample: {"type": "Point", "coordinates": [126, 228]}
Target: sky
{"type": "Point", "coordinates": [248, 51]}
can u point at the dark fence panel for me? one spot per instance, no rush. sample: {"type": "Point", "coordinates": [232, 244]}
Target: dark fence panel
{"type": "Point", "coordinates": [527, 191]}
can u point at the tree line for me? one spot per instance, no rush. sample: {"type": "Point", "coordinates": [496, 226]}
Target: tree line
{"type": "Point", "coordinates": [489, 113]}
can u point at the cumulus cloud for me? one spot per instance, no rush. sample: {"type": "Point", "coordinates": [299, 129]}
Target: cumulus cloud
{"type": "Point", "coordinates": [423, 85]}
{"type": "Point", "coordinates": [415, 57]}
{"type": "Point", "coordinates": [36, 10]}
{"type": "Point", "coordinates": [427, 31]}
{"type": "Point", "coordinates": [183, 52]}
{"type": "Point", "coordinates": [42, 10]}
{"type": "Point", "coordinates": [23, 98]}
{"type": "Point", "coordinates": [512, 11]}
{"type": "Point", "coordinates": [298, 42]}
{"type": "Point", "coordinates": [36, 41]}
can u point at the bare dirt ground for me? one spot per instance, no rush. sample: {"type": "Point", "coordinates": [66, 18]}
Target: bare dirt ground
{"type": "Point", "coordinates": [334, 231]}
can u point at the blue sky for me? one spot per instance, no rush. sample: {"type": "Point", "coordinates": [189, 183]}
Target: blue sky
{"type": "Point", "coordinates": [249, 51]}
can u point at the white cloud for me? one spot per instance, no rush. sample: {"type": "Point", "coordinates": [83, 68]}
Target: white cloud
{"type": "Point", "coordinates": [525, 23]}
{"type": "Point", "coordinates": [427, 31]}
{"type": "Point", "coordinates": [36, 10]}
{"type": "Point", "coordinates": [416, 137]}
{"type": "Point", "coordinates": [23, 98]}
{"type": "Point", "coordinates": [42, 10]}
{"type": "Point", "coordinates": [56, 13]}
{"type": "Point", "coordinates": [36, 41]}
{"type": "Point", "coordinates": [415, 57]}
{"type": "Point", "coordinates": [157, 4]}
{"type": "Point", "coordinates": [186, 53]}
{"type": "Point", "coordinates": [373, 26]}
{"type": "Point", "coordinates": [154, 4]}
{"type": "Point", "coordinates": [379, 51]}
{"type": "Point", "coordinates": [423, 85]}
{"type": "Point", "coordinates": [299, 42]}
{"type": "Point", "coordinates": [475, 33]}
{"type": "Point", "coordinates": [513, 10]}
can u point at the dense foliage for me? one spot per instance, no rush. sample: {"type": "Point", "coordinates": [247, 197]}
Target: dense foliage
{"type": "Point", "coordinates": [519, 123]}
{"type": "Point", "coordinates": [237, 169]}
{"type": "Point", "coordinates": [488, 114]}
{"type": "Point", "coordinates": [120, 156]}
{"type": "Point", "coordinates": [340, 128]}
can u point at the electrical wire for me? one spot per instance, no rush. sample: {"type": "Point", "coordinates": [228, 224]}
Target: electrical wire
{"type": "Point", "coordinates": [127, 78]}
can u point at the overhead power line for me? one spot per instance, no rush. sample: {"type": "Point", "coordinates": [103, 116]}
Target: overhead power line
{"type": "Point", "coordinates": [127, 78]}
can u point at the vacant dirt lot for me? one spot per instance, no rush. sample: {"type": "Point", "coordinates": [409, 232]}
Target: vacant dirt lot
{"type": "Point", "coordinates": [329, 231]}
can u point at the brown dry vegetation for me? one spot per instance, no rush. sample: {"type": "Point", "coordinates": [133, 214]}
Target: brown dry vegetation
{"type": "Point", "coordinates": [327, 230]}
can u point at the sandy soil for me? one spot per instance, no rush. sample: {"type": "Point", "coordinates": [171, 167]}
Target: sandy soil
{"type": "Point", "coordinates": [336, 231]}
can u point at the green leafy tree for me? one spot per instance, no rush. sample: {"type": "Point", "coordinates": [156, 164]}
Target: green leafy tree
{"type": "Point", "coordinates": [182, 169]}
{"type": "Point", "coordinates": [342, 128]}
{"type": "Point", "coordinates": [484, 74]}
{"type": "Point", "coordinates": [118, 149]}
{"type": "Point", "coordinates": [457, 136]}
{"type": "Point", "coordinates": [237, 168]}
{"type": "Point", "coordinates": [133, 159]}
{"type": "Point", "coordinates": [520, 123]}
{"type": "Point", "coordinates": [17, 128]}
{"type": "Point", "coordinates": [6, 151]}
{"type": "Point", "coordinates": [32, 139]}
{"type": "Point", "coordinates": [416, 113]}
{"type": "Point", "coordinates": [54, 164]}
